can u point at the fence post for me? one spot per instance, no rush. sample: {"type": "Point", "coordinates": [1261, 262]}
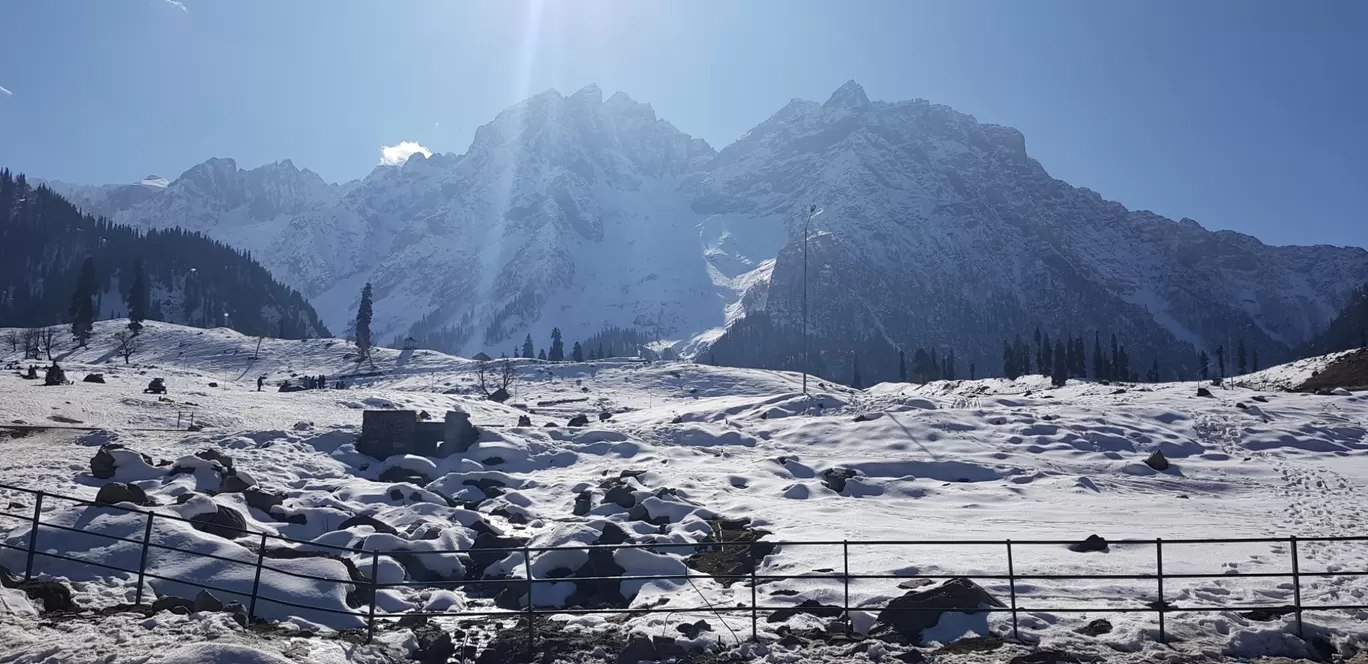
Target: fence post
{"type": "Point", "coordinates": [256, 582]}
{"type": "Point", "coordinates": [1296, 585]}
{"type": "Point", "coordinates": [374, 579]}
{"type": "Point", "coordinates": [1011, 584]}
{"type": "Point", "coordinates": [755, 604]}
{"type": "Point", "coordinates": [531, 608]}
{"type": "Point", "coordinates": [33, 535]}
{"type": "Point", "coordinates": [845, 555]}
{"type": "Point", "coordinates": [142, 562]}
{"type": "Point", "coordinates": [1159, 573]}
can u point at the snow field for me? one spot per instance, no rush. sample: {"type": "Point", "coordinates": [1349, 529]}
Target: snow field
{"type": "Point", "coordinates": [964, 460]}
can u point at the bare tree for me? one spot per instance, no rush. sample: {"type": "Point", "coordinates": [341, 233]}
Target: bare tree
{"type": "Point", "coordinates": [500, 376]}
{"type": "Point", "coordinates": [128, 344]}
{"type": "Point", "coordinates": [48, 339]}
{"type": "Point", "coordinates": [257, 353]}
{"type": "Point", "coordinates": [12, 338]}
{"type": "Point", "coordinates": [31, 343]}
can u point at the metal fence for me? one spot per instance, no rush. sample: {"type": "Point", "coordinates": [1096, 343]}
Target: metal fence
{"type": "Point", "coordinates": [1159, 605]}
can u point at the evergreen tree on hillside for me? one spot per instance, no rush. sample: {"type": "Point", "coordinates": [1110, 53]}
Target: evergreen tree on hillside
{"type": "Point", "coordinates": [1203, 366]}
{"type": "Point", "coordinates": [1022, 352]}
{"type": "Point", "coordinates": [1060, 375]}
{"type": "Point", "coordinates": [1046, 363]}
{"type": "Point", "coordinates": [1123, 371]}
{"type": "Point", "coordinates": [1153, 375]}
{"type": "Point", "coordinates": [83, 304]}
{"type": "Point", "coordinates": [1099, 362]}
{"type": "Point", "coordinates": [971, 371]}
{"type": "Point", "coordinates": [363, 322]}
{"type": "Point", "coordinates": [950, 365]}
{"type": "Point", "coordinates": [1009, 363]}
{"type": "Point", "coordinates": [921, 365]}
{"type": "Point", "coordinates": [902, 366]}
{"type": "Point", "coordinates": [1220, 359]}
{"type": "Point", "coordinates": [557, 353]}
{"type": "Point", "coordinates": [1241, 358]}
{"type": "Point", "coordinates": [528, 351]}
{"type": "Point", "coordinates": [137, 299]}
{"type": "Point", "coordinates": [1042, 342]}
{"type": "Point", "coordinates": [1114, 369]}
{"type": "Point", "coordinates": [856, 381]}
{"type": "Point", "coordinates": [577, 353]}
{"type": "Point", "coordinates": [541, 354]}
{"type": "Point", "coordinates": [1256, 359]}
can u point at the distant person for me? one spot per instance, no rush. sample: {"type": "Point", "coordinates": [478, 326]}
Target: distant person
{"type": "Point", "coordinates": [261, 380]}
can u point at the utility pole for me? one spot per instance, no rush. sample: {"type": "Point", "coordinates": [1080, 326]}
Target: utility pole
{"type": "Point", "coordinates": [812, 209]}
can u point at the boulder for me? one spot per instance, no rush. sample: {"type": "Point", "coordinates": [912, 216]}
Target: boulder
{"type": "Point", "coordinates": [583, 503]}
{"type": "Point", "coordinates": [500, 395]}
{"type": "Point", "coordinates": [1203, 392]}
{"type": "Point", "coordinates": [836, 478]}
{"type": "Point", "coordinates": [434, 645]}
{"type": "Point", "coordinates": [93, 378]}
{"type": "Point", "coordinates": [1093, 543]}
{"type": "Point", "coordinates": [810, 607]}
{"type": "Point", "coordinates": [119, 492]}
{"type": "Point", "coordinates": [1260, 398]}
{"type": "Point", "coordinates": [262, 499]}
{"type": "Point", "coordinates": [693, 629]}
{"type": "Point", "coordinates": [367, 520]}
{"type": "Point", "coordinates": [103, 465]}
{"type": "Point", "coordinates": [1157, 461]}
{"type": "Point", "coordinates": [580, 420]}
{"type": "Point", "coordinates": [958, 595]}
{"type": "Point", "coordinates": [226, 522]}
{"type": "Point", "coordinates": [620, 496]}
{"type": "Point", "coordinates": [605, 416]}
{"type": "Point", "coordinates": [524, 421]}
{"type": "Point", "coordinates": [1096, 628]}
{"type": "Point", "coordinates": [234, 482]}
{"type": "Point", "coordinates": [1046, 657]}
{"type": "Point", "coordinates": [211, 454]}
{"type": "Point", "coordinates": [205, 602]}
{"type": "Point", "coordinates": [174, 605]}
{"type": "Point", "coordinates": [397, 475]}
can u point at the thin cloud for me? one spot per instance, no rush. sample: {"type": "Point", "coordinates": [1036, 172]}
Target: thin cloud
{"type": "Point", "coordinates": [393, 155]}
{"type": "Point", "coordinates": [178, 3]}
{"type": "Point", "coordinates": [5, 91]}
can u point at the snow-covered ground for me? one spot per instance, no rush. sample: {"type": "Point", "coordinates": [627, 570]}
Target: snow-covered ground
{"type": "Point", "coordinates": [988, 460]}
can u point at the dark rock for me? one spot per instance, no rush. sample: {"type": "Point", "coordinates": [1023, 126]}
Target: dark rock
{"type": "Point", "coordinates": [612, 534]}
{"type": "Point", "coordinates": [118, 492]}
{"type": "Point", "coordinates": [1203, 392]}
{"type": "Point", "coordinates": [1241, 405]}
{"type": "Point", "coordinates": [864, 417]}
{"type": "Point", "coordinates": [367, 520]}
{"type": "Point", "coordinates": [958, 595]}
{"type": "Point", "coordinates": [678, 419]}
{"type": "Point", "coordinates": [213, 384]}
{"type": "Point", "coordinates": [1157, 461]}
{"type": "Point", "coordinates": [620, 496]}
{"type": "Point", "coordinates": [1093, 543]}
{"type": "Point", "coordinates": [1046, 657]}
{"type": "Point", "coordinates": [1325, 649]}
{"type": "Point", "coordinates": [205, 602]}
{"type": "Point", "coordinates": [580, 420]}
{"type": "Point", "coordinates": [173, 604]}
{"type": "Point", "coordinates": [396, 475]}
{"type": "Point", "coordinates": [1260, 398]}
{"type": "Point", "coordinates": [434, 645]}
{"type": "Point", "coordinates": [103, 466]}
{"type": "Point", "coordinates": [913, 584]}
{"type": "Point", "coordinates": [262, 499]}
{"type": "Point", "coordinates": [493, 461]}
{"type": "Point", "coordinates": [93, 378]}
{"type": "Point", "coordinates": [238, 611]}
{"type": "Point", "coordinates": [1120, 391]}
{"type": "Point", "coordinates": [550, 425]}
{"type": "Point", "coordinates": [481, 555]}
{"type": "Point", "coordinates": [808, 606]}
{"type": "Point", "coordinates": [910, 657]}
{"type": "Point", "coordinates": [234, 483]}
{"type": "Point", "coordinates": [605, 416]}
{"type": "Point", "coordinates": [1096, 628]}
{"type": "Point", "coordinates": [1268, 614]}
{"type": "Point", "coordinates": [639, 649]}
{"type": "Point", "coordinates": [836, 478]}
{"type": "Point", "coordinates": [226, 523]}
{"type": "Point", "coordinates": [524, 421]}
{"type": "Point", "coordinates": [583, 503]}
{"type": "Point", "coordinates": [692, 630]}
{"type": "Point", "coordinates": [211, 454]}
{"type": "Point", "coordinates": [500, 395]}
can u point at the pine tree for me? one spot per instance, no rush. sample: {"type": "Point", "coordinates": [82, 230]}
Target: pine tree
{"type": "Point", "coordinates": [921, 365]}
{"type": "Point", "coordinates": [541, 354]}
{"type": "Point", "coordinates": [934, 370]}
{"type": "Point", "coordinates": [528, 351]}
{"type": "Point", "coordinates": [1256, 359]}
{"type": "Point", "coordinates": [902, 366]}
{"type": "Point", "coordinates": [137, 299]}
{"type": "Point", "coordinates": [1046, 363]}
{"type": "Point", "coordinates": [971, 371]}
{"type": "Point", "coordinates": [1042, 343]}
{"type": "Point", "coordinates": [1203, 366]}
{"type": "Point", "coordinates": [1123, 371]}
{"type": "Point", "coordinates": [1022, 352]}
{"type": "Point", "coordinates": [600, 351]}
{"type": "Point", "coordinates": [1241, 358]}
{"type": "Point", "coordinates": [83, 304]}
{"type": "Point", "coordinates": [1153, 375]}
{"type": "Point", "coordinates": [363, 322]}
{"type": "Point", "coordinates": [557, 353]}
{"type": "Point", "coordinates": [1220, 359]}
{"type": "Point", "coordinates": [1099, 362]}
{"type": "Point", "coordinates": [1060, 376]}
{"type": "Point", "coordinates": [577, 353]}
{"type": "Point", "coordinates": [950, 365]}
{"type": "Point", "coordinates": [1009, 363]}
{"type": "Point", "coordinates": [1114, 370]}
{"type": "Point", "coordinates": [856, 381]}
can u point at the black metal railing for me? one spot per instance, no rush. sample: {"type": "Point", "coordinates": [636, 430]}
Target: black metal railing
{"type": "Point", "coordinates": [1120, 604]}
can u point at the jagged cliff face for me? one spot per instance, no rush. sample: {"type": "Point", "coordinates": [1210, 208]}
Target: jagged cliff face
{"type": "Point", "coordinates": [580, 213]}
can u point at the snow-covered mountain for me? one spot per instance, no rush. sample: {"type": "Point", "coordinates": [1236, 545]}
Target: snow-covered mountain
{"type": "Point", "coordinates": [580, 213]}
{"type": "Point", "coordinates": [243, 208]}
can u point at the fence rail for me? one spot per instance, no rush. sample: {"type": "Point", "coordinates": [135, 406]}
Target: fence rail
{"type": "Point", "coordinates": [1160, 604]}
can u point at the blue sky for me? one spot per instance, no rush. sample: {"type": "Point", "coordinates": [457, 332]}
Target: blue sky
{"type": "Point", "coordinates": [1245, 114]}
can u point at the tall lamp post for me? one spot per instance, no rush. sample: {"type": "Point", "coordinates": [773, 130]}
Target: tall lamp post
{"type": "Point", "coordinates": [812, 209]}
